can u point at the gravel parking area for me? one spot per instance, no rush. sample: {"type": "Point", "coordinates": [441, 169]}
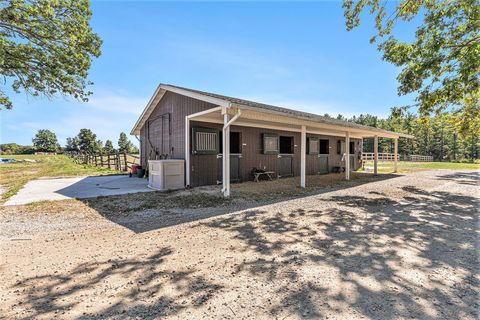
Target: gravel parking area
{"type": "Point", "coordinates": [406, 246]}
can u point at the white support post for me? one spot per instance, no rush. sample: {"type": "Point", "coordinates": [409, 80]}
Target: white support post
{"type": "Point", "coordinates": [224, 165]}
{"type": "Point", "coordinates": [395, 155]}
{"type": "Point", "coordinates": [303, 152]}
{"type": "Point", "coordinates": [187, 151]}
{"type": "Point", "coordinates": [227, 171]}
{"type": "Point", "coordinates": [347, 155]}
{"type": "Point", "coordinates": [225, 156]}
{"type": "Point", "coordinates": [375, 155]}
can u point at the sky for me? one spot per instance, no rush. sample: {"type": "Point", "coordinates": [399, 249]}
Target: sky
{"type": "Point", "coordinates": [292, 54]}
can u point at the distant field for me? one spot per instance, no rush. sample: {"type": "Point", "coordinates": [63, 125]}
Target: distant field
{"type": "Point", "coordinates": [13, 176]}
{"type": "Point", "coordinates": [408, 166]}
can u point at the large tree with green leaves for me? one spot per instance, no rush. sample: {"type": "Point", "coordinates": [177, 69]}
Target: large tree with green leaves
{"type": "Point", "coordinates": [125, 145]}
{"type": "Point", "coordinates": [87, 141]}
{"type": "Point", "coordinates": [72, 144]}
{"type": "Point", "coordinates": [46, 47]}
{"type": "Point", "coordinates": [442, 64]}
{"type": "Point", "coordinates": [45, 140]}
{"type": "Point", "coordinates": [108, 148]}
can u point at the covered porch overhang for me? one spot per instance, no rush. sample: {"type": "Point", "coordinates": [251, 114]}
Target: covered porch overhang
{"type": "Point", "coordinates": [241, 115]}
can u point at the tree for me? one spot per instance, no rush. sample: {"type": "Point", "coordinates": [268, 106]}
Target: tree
{"type": "Point", "coordinates": [45, 140]}
{"type": "Point", "coordinates": [72, 144]}
{"type": "Point", "coordinates": [46, 47]}
{"type": "Point", "coordinates": [108, 148]}
{"type": "Point", "coordinates": [124, 145]}
{"type": "Point", "coordinates": [442, 64]}
{"type": "Point", "coordinates": [87, 141]}
{"type": "Point", "coordinates": [10, 148]}
{"type": "Point", "coordinates": [99, 146]}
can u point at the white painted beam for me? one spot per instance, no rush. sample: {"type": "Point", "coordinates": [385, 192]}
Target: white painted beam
{"type": "Point", "coordinates": [303, 153]}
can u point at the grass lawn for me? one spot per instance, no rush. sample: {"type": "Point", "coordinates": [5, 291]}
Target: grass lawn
{"type": "Point", "coordinates": [408, 166]}
{"type": "Point", "coordinates": [13, 176]}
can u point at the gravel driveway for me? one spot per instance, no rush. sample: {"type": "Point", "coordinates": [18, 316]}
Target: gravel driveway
{"type": "Point", "coordinates": [404, 247]}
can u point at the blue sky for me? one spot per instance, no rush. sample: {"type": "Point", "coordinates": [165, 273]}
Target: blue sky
{"type": "Point", "coordinates": [296, 55]}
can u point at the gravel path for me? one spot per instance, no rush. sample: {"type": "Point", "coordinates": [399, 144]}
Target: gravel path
{"type": "Point", "coordinates": [405, 247]}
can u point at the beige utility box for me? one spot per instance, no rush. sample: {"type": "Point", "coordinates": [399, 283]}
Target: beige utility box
{"type": "Point", "coordinates": [166, 174]}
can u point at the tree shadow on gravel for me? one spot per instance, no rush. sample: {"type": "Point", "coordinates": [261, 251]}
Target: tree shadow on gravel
{"type": "Point", "coordinates": [141, 286]}
{"type": "Point", "coordinates": [145, 212]}
{"type": "Point", "coordinates": [468, 178]}
{"type": "Point", "coordinates": [390, 256]}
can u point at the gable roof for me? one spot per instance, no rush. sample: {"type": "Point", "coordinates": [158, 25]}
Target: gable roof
{"type": "Point", "coordinates": [226, 101]}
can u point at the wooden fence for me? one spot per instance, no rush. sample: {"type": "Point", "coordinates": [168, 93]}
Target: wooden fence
{"type": "Point", "coordinates": [369, 156]}
{"type": "Point", "coordinates": [418, 158]}
{"type": "Point", "coordinates": [113, 161]}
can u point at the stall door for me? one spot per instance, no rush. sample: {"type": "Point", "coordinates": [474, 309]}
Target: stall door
{"type": "Point", "coordinates": [235, 162]}
{"type": "Point", "coordinates": [352, 162]}
{"type": "Point", "coordinates": [285, 166]}
{"type": "Point", "coordinates": [323, 164]}
{"type": "Point", "coordinates": [235, 158]}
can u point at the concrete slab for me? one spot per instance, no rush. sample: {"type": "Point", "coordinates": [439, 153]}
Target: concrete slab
{"type": "Point", "coordinates": [77, 188]}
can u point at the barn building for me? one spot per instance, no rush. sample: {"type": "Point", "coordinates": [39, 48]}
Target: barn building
{"type": "Point", "coordinates": [224, 139]}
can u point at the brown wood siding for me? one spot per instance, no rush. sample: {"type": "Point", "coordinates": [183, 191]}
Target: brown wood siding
{"type": "Point", "coordinates": [205, 168]}
{"type": "Point", "coordinates": [178, 107]}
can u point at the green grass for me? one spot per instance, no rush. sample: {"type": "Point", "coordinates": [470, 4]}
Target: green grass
{"type": "Point", "coordinates": [13, 176]}
{"type": "Point", "coordinates": [408, 166]}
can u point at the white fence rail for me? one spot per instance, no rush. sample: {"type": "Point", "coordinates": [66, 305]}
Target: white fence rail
{"type": "Point", "coordinates": [369, 156]}
{"type": "Point", "coordinates": [366, 156]}
{"type": "Point", "coordinates": [418, 158]}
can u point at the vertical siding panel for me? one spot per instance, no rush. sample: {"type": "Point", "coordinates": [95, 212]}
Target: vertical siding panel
{"type": "Point", "coordinates": [206, 167]}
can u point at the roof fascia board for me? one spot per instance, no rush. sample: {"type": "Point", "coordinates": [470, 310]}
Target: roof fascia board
{"type": "Point", "coordinates": [198, 96]}
{"type": "Point", "coordinates": [364, 130]}
{"type": "Point", "coordinates": [156, 97]}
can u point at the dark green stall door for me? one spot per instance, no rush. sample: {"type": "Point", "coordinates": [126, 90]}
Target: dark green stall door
{"type": "Point", "coordinates": [285, 166]}
{"type": "Point", "coordinates": [352, 162]}
{"type": "Point", "coordinates": [234, 168]}
{"type": "Point", "coordinates": [323, 164]}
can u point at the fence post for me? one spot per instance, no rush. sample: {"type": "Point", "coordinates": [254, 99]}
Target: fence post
{"type": "Point", "coordinates": [125, 160]}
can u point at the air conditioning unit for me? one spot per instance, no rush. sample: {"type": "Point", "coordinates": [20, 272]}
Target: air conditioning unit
{"type": "Point", "coordinates": [166, 174]}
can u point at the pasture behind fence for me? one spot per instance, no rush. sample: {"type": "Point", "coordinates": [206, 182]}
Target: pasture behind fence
{"type": "Point", "coordinates": [113, 161]}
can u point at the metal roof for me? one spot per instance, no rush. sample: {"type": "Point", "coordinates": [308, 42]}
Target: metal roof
{"type": "Point", "coordinates": [271, 108]}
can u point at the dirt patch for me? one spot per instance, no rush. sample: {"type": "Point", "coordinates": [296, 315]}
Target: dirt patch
{"type": "Point", "coordinates": [403, 247]}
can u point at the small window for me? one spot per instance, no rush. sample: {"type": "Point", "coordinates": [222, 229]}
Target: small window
{"type": "Point", "coordinates": [205, 141]}
{"type": "Point", "coordinates": [324, 147]}
{"type": "Point", "coordinates": [312, 146]}
{"type": "Point", "coordinates": [270, 143]}
{"type": "Point", "coordinates": [286, 145]}
{"type": "Point", "coordinates": [235, 145]}
{"type": "Point", "coordinates": [352, 147]}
